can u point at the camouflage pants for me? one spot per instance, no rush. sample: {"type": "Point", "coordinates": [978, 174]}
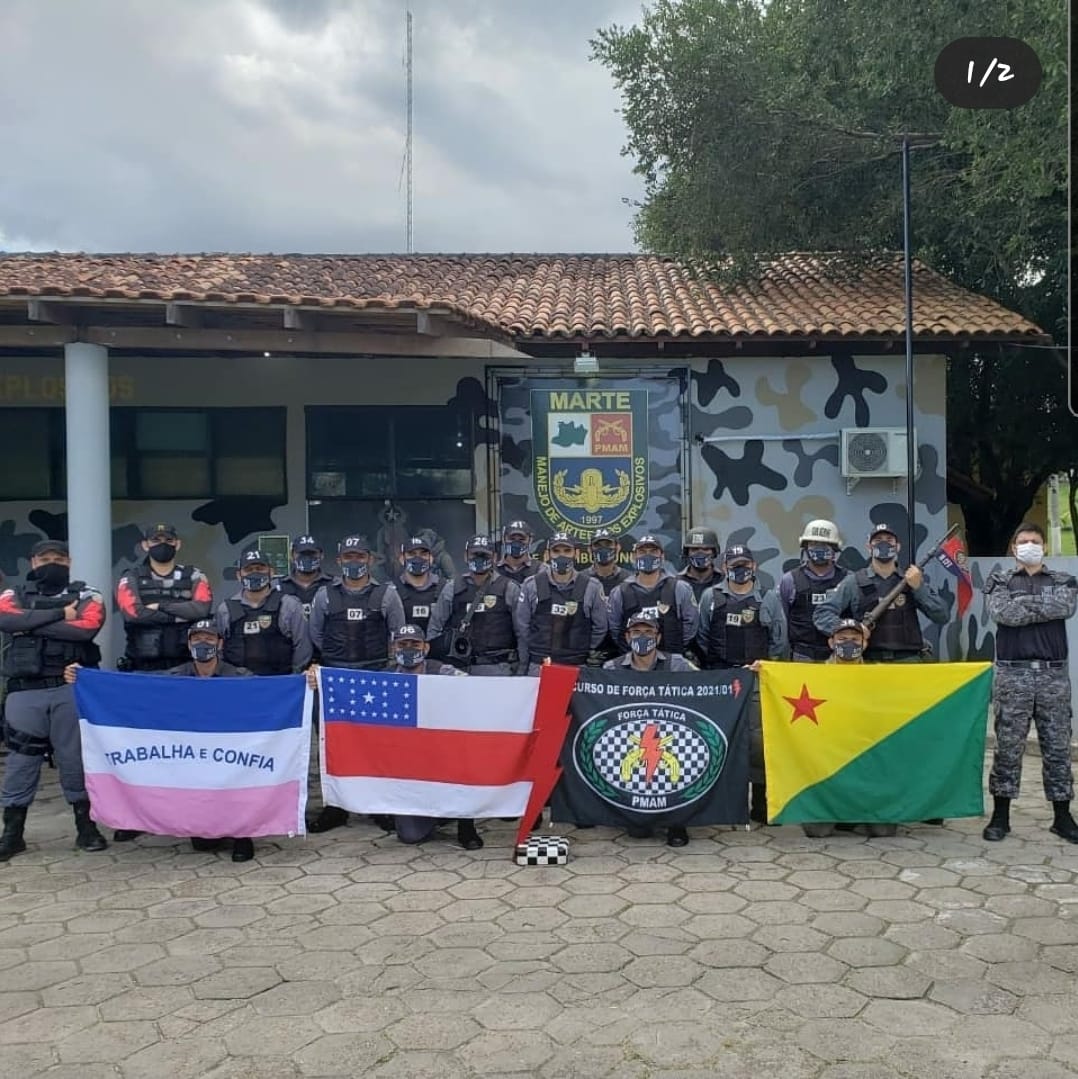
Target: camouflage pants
{"type": "Point", "coordinates": [1021, 695]}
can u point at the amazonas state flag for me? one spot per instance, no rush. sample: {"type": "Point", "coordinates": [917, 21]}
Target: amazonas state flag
{"type": "Point", "coordinates": [874, 743]}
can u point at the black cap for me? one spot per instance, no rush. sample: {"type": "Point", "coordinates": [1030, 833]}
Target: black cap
{"type": "Point", "coordinates": [409, 633]}
{"type": "Point", "coordinates": [878, 528]}
{"type": "Point", "coordinates": [354, 543]}
{"type": "Point", "coordinates": [849, 623]}
{"type": "Point", "coordinates": [50, 546]}
{"type": "Point", "coordinates": [514, 528]}
{"type": "Point", "coordinates": [738, 551]}
{"type": "Point", "coordinates": [415, 543]}
{"type": "Point", "coordinates": [254, 558]}
{"type": "Point", "coordinates": [479, 543]}
{"type": "Point", "coordinates": [203, 625]}
{"type": "Point", "coordinates": [603, 534]}
{"type": "Point", "coordinates": [152, 531]}
{"type": "Point", "coordinates": [642, 618]}
{"type": "Point", "coordinates": [306, 543]}
{"type": "Point", "coordinates": [649, 540]}
{"type": "Point", "coordinates": [561, 537]}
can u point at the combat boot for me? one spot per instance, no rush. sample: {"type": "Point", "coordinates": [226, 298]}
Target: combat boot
{"type": "Point", "coordinates": [467, 836]}
{"type": "Point", "coordinates": [758, 803]}
{"type": "Point", "coordinates": [87, 837]}
{"type": "Point", "coordinates": [1000, 824]}
{"type": "Point", "coordinates": [12, 842]}
{"type": "Point", "coordinates": [1063, 825]}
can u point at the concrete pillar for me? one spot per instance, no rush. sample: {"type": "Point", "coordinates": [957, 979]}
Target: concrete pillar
{"type": "Point", "coordinates": [89, 474]}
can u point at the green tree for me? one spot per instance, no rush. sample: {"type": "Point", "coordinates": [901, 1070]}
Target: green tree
{"type": "Point", "coordinates": [767, 127]}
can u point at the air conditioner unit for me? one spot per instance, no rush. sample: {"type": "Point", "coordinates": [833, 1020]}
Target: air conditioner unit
{"type": "Point", "coordinates": [874, 453]}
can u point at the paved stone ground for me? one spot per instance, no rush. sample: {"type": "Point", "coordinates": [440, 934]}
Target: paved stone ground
{"type": "Point", "coordinates": [932, 954]}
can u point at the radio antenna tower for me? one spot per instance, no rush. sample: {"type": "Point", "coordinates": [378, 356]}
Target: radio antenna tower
{"type": "Point", "coordinates": [408, 134]}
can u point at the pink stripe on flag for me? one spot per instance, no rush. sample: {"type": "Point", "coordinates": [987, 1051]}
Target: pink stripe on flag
{"type": "Point", "coordinates": [210, 814]}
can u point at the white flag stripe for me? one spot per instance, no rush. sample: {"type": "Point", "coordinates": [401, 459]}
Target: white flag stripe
{"type": "Point", "coordinates": [193, 761]}
{"type": "Point", "coordinates": [370, 794]}
{"type": "Point", "coordinates": [478, 704]}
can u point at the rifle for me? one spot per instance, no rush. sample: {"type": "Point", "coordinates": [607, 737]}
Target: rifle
{"type": "Point", "coordinates": [876, 613]}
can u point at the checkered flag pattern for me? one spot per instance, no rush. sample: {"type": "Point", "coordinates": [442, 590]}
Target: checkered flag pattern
{"type": "Point", "coordinates": [543, 850]}
{"type": "Point", "coordinates": [689, 749]}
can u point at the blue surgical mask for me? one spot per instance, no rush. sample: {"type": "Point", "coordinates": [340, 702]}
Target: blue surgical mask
{"type": "Point", "coordinates": [307, 563]}
{"type": "Point", "coordinates": [408, 657]}
{"type": "Point", "coordinates": [480, 563]}
{"type": "Point", "coordinates": [417, 567]}
{"type": "Point", "coordinates": [742, 574]}
{"type": "Point", "coordinates": [820, 555]}
{"type": "Point", "coordinates": [562, 564]}
{"type": "Point", "coordinates": [701, 561]}
{"type": "Point", "coordinates": [354, 571]}
{"type": "Point", "coordinates": [884, 551]}
{"type": "Point", "coordinates": [516, 549]}
{"type": "Point", "coordinates": [255, 582]}
{"type": "Point", "coordinates": [648, 563]}
{"type": "Point", "coordinates": [643, 646]}
{"type": "Point", "coordinates": [203, 651]}
{"type": "Point", "coordinates": [849, 649]}
{"type": "Point", "coordinates": [604, 555]}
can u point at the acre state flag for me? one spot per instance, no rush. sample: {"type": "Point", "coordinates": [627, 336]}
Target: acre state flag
{"type": "Point", "coordinates": [874, 743]}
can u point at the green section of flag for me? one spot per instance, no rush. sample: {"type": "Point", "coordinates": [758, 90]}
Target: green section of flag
{"type": "Point", "coordinates": [930, 767]}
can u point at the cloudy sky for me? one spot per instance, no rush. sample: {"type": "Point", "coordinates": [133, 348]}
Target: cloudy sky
{"type": "Point", "coordinates": [278, 125]}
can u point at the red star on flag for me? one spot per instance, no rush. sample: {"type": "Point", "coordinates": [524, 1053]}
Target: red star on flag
{"type": "Point", "coordinates": [805, 705]}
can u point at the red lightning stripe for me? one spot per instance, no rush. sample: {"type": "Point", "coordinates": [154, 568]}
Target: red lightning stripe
{"type": "Point", "coordinates": [651, 747]}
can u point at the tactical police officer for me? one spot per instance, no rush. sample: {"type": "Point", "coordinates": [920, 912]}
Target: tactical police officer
{"type": "Point", "coordinates": [516, 561]}
{"type": "Point", "coordinates": [896, 636]}
{"type": "Point", "coordinates": [561, 615]}
{"type": "Point", "coordinates": [643, 632]}
{"type": "Point", "coordinates": [159, 600]}
{"type": "Point", "coordinates": [473, 616]}
{"type": "Point", "coordinates": [740, 626]}
{"type": "Point", "coordinates": [52, 622]}
{"type": "Point", "coordinates": [604, 561]}
{"type": "Point", "coordinates": [803, 589]}
{"type": "Point", "coordinates": [1030, 605]}
{"type": "Point", "coordinates": [418, 586]}
{"type": "Point", "coordinates": [651, 588]}
{"type": "Point", "coordinates": [306, 576]}
{"type": "Point", "coordinates": [700, 550]}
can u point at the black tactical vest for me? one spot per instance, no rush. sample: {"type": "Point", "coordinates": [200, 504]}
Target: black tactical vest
{"type": "Point", "coordinates": [255, 640]}
{"type": "Point", "coordinates": [418, 602]}
{"type": "Point", "coordinates": [698, 587]}
{"type": "Point", "coordinates": [529, 569]}
{"type": "Point", "coordinates": [660, 601]}
{"type": "Point", "coordinates": [491, 631]}
{"type": "Point", "coordinates": [356, 632]}
{"type": "Point", "coordinates": [31, 656]}
{"type": "Point", "coordinates": [809, 593]}
{"type": "Point", "coordinates": [560, 628]}
{"type": "Point", "coordinates": [735, 636]}
{"type": "Point", "coordinates": [611, 581]}
{"type": "Point", "coordinates": [305, 593]}
{"type": "Point", "coordinates": [164, 643]}
{"type": "Point", "coordinates": [898, 628]}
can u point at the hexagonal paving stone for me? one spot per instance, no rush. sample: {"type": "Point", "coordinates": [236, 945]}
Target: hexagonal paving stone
{"type": "Point", "coordinates": [237, 983]}
{"type": "Point", "coordinates": [806, 967]}
{"type": "Point", "coordinates": [106, 1043]}
{"type": "Point", "coordinates": [719, 926]}
{"type": "Point", "coordinates": [591, 958]}
{"type": "Point", "coordinates": [821, 1001]}
{"type": "Point", "coordinates": [145, 1003]}
{"type": "Point", "coordinates": [866, 951]}
{"type": "Point", "coordinates": [272, 1036]}
{"type": "Point", "coordinates": [651, 893]}
{"type": "Point", "coordinates": [296, 998]}
{"type": "Point", "coordinates": [1042, 930]}
{"type": "Point", "coordinates": [1001, 1035]}
{"type": "Point", "coordinates": [46, 1025]}
{"type": "Point", "coordinates": [791, 938]}
{"type": "Point", "coordinates": [1054, 1014]}
{"type": "Point", "coordinates": [661, 971]}
{"type": "Point", "coordinates": [31, 976]}
{"type": "Point", "coordinates": [178, 970]}
{"type": "Point", "coordinates": [1000, 948]}
{"type": "Point", "coordinates": [897, 983]}
{"type": "Point", "coordinates": [738, 985]}
{"type": "Point", "coordinates": [844, 1039]}
{"type": "Point", "coordinates": [88, 989]}
{"type": "Point", "coordinates": [921, 937]}
{"type": "Point", "coordinates": [507, 1052]}
{"type": "Point", "coordinates": [1026, 978]}
{"type": "Point", "coordinates": [974, 997]}
{"type": "Point", "coordinates": [730, 953]}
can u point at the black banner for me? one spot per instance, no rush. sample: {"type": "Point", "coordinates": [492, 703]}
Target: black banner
{"type": "Point", "coordinates": [656, 750]}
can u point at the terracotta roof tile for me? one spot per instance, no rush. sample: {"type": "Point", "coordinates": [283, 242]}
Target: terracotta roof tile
{"type": "Point", "coordinates": [544, 296]}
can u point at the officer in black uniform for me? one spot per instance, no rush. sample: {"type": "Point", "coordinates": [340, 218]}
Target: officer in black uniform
{"type": "Point", "coordinates": [604, 561]}
{"type": "Point", "coordinates": [804, 588]}
{"type": "Point", "coordinates": [516, 562]}
{"type": "Point", "coordinates": [351, 623]}
{"type": "Point", "coordinates": [307, 576]}
{"type": "Point", "coordinates": [701, 549]}
{"type": "Point", "coordinates": [418, 585]}
{"type": "Point", "coordinates": [474, 616]}
{"type": "Point", "coordinates": [159, 599]}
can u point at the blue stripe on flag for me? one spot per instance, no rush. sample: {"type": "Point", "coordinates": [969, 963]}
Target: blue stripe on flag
{"type": "Point", "coordinates": [370, 697]}
{"type": "Point", "coordinates": [204, 705]}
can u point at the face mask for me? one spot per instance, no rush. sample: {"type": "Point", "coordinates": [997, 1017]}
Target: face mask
{"type": "Point", "coordinates": [162, 552]}
{"type": "Point", "coordinates": [408, 657]}
{"type": "Point", "coordinates": [884, 551]}
{"type": "Point", "coordinates": [516, 549]}
{"type": "Point", "coordinates": [203, 651]}
{"type": "Point", "coordinates": [255, 582]}
{"type": "Point", "coordinates": [849, 649]}
{"type": "Point", "coordinates": [648, 563]}
{"type": "Point", "coordinates": [354, 571]}
{"type": "Point", "coordinates": [1029, 554]}
{"type": "Point", "coordinates": [52, 576]}
{"type": "Point", "coordinates": [701, 561]}
{"type": "Point", "coordinates": [417, 567]}
{"type": "Point", "coordinates": [742, 574]}
{"type": "Point", "coordinates": [480, 564]}
{"type": "Point", "coordinates": [643, 646]}
{"type": "Point", "coordinates": [307, 563]}
{"type": "Point", "coordinates": [820, 555]}
{"type": "Point", "coordinates": [604, 555]}
{"type": "Point", "coordinates": [562, 564]}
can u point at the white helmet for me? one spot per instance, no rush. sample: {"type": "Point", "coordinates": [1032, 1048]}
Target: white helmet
{"type": "Point", "coordinates": [821, 532]}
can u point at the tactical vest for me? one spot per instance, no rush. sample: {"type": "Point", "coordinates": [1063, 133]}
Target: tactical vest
{"type": "Point", "coordinates": [255, 640]}
{"type": "Point", "coordinates": [698, 587]}
{"type": "Point", "coordinates": [305, 593]}
{"type": "Point", "coordinates": [529, 569]}
{"type": "Point", "coordinates": [809, 593]}
{"type": "Point", "coordinates": [898, 628]}
{"type": "Point", "coordinates": [660, 601]}
{"type": "Point", "coordinates": [610, 582]}
{"type": "Point", "coordinates": [491, 630]}
{"type": "Point", "coordinates": [166, 644]}
{"type": "Point", "coordinates": [735, 636]}
{"type": "Point", "coordinates": [418, 602]}
{"type": "Point", "coordinates": [32, 656]}
{"type": "Point", "coordinates": [356, 631]}
{"type": "Point", "coordinates": [560, 628]}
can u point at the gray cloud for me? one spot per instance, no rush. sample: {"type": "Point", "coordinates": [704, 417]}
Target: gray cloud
{"type": "Point", "coordinates": [279, 125]}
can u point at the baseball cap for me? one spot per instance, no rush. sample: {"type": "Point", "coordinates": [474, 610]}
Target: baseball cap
{"type": "Point", "coordinates": [848, 623]}
{"type": "Point", "coordinates": [160, 530]}
{"type": "Point", "coordinates": [409, 633]}
{"type": "Point", "coordinates": [47, 546]}
{"type": "Point", "coordinates": [603, 534]}
{"type": "Point", "coordinates": [479, 543]}
{"type": "Point", "coordinates": [254, 558]}
{"type": "Point", "coordinates": [306, 543]}
{"type": "Point", "coordinates": [878, 528]}
{"type": "Point", "coordinates": [642, 618]}
{"type": "Point", "coordinates": [203, 625]}
{"type": "Point", "coordinates": [517, 528]}
{"type": "Point", "coordinates": [415, 543]}
{"type": "Point", "coordinates": [354, 543]}
{"type": "Point", "coordinates": [561, 537]}
{"type": "Point", "coordinates": [739, 551]}
{"type": "Point", "coordinates": [649, 540]}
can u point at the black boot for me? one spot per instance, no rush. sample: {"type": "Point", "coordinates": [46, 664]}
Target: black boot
{"type": "Point", "coordinates": [125, 835]}
{"type": "Point", "coordinates": [12, 842]}
{"type": "Point", "coordinates": [1064, 826]}
{"type": "Point", "coordinates": [384, 821]}
{"type": "Point", "coordinates": [677, 836]}
{"type": "Point", "coordinates": [758, 803]}
{"type": "Point", "coordinates": [1000, 824]}
{"type": "Point", "coordinates": [243, 850]}
{"type": "Point", "coordinates": [204, 846]}
{"type": "Point", "coordinates": [467, 836]}
{"type": "Point", "coordinates": [329, 818]}
{"type": "Point", "coordinates": [87, 836]}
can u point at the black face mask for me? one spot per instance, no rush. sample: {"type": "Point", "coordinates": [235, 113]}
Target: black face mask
{"type": "Point", "coordinates": [51, 577]}
{"type": "Point", "coordinates": [203, 651]}
{"type": "Point", "coordinates": [163, 552]}
{"type": "Point", "coordinates": [562, 563]}
{"type": "Point", "coordinates": [417, 567]}
{"type": "Point", "coordinates": [884, 551]}
{"type": "Point", "coordinates": [480, 563]}
{"type": "Point", "coordinates": [742, 574]}
{"type": "Point", "coordinates": [307, 563]}
{"type": "Point", "coordinates": [849, 649]}
{"type": "Point", "coordinates": [604, 555]}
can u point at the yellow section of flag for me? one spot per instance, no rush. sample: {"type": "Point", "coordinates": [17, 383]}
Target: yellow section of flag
{"type": "Point", "coordinates": [818, 717]}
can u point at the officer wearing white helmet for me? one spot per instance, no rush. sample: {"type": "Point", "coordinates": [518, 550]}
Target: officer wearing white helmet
{"type": "Point", "coordinates": [803, 589]}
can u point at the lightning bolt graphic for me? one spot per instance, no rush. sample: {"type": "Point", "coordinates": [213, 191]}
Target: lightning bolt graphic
{"type": "Point", "coordinates": [651, 751]}
{"type": "Point", "coordinates": [737, 688]}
